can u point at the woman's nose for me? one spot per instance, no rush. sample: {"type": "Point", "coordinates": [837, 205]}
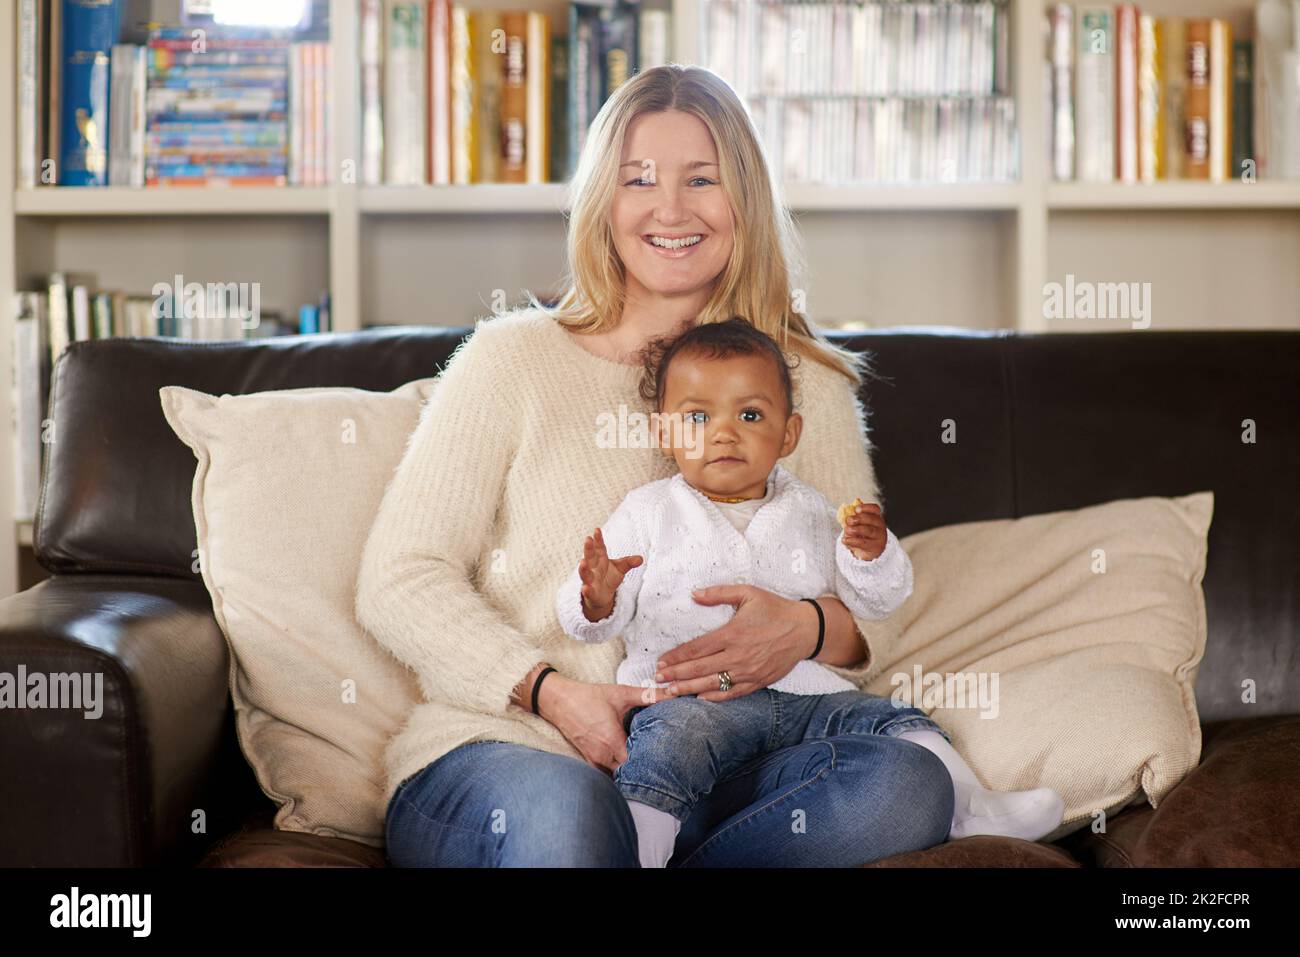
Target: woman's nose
{"type": "Point", "coordinates": [670, 209]}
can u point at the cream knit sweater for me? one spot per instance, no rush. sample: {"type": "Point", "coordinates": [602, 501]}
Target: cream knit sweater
{"type": "Point", "coordinates": [502, 479]}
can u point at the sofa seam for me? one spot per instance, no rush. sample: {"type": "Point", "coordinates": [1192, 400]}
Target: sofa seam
{"type": "Point", "coordinates": [1009, 418]}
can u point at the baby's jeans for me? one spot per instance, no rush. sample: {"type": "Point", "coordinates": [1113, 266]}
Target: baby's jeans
{"type": "Point", "coordinates": [678, 749]}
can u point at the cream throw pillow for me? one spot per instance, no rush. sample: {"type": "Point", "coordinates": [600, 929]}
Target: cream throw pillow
{"type": "Point", "coordinates": [286, 490]}
{"type": "Point", "coordinates": [1092, 621]}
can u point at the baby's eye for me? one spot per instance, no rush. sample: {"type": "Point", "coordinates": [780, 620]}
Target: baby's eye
{"type": "Point", "coordinates": [758, 415]}
{"type": "Point", "coordinates": [691, 417]}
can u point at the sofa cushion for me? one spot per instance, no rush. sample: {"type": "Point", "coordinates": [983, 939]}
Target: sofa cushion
{"type": "Point", "coordinates": [258, 844]}
{"type": "Point", "coordinates": [286, 489]}
{"type": "Point", "coordinates": [1237, 809]}
{"type": "Point", "coordinates": [983, 850]}
{"type": "Point", "coordinates": [1084, 627]}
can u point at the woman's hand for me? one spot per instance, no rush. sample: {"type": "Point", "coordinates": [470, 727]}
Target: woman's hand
{"type": "Point", "coordinates": [758, 646]}
{"type": "Point", "coordinates": [590, 716]}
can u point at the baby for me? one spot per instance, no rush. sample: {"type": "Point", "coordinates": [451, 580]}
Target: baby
{"type": "Point", "coordinates": [733, 514]}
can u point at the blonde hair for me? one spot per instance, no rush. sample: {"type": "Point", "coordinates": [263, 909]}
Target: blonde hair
{"type": "Point", "coordinates": [756, 282]}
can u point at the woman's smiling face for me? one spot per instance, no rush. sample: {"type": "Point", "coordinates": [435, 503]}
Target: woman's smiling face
{"type": "Point", "coordinates": [669, 187]}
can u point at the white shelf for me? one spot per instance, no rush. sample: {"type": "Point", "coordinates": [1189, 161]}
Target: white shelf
{"type": "Point", "coordinates": [64, 201]}
{"type": "Point", "coordinates": [1181, 194]}
{"type": "Point", "coordinates": [486, 198]}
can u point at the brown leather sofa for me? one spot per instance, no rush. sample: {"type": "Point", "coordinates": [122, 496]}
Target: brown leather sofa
{"type": "Point", "coordinates": [1048, 422]}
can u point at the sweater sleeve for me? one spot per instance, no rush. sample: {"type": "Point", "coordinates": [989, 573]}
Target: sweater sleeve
{"type": "Point", "coordinates": [622, 538]}
{"type": "Point", "coordinates": [415, 592]}
{"type": "Point", "coordinates": [834, 457]}
{"type": "Point", "coordinates": [873, 589]}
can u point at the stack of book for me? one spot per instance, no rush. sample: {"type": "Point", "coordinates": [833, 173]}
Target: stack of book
{"type": "Point", "coordinates": [1138, 98]}
{"type": "Point", "coordinates": [454, 95]}
{"type": "Point", "coordinates": [69, 309]}
{"type": "Point", "coordinates": [219, 115]}
{"type": "Point", "coordinates": [871, 92]}
{"type": "Point", "coordinates": [217, 106]}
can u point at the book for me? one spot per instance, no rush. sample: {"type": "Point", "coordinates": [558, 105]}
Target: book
{"type": "Point", "coordinates": [538, 104]}
{"type": "Point", "coordinates": [585, 73]}
{"type": "Point", "coordinates": [1151, 145]}
{"type": "Point", "coordinates": [1126, 93]}
{"type": "Point", "coordinates": [90, 29]}
{"type": "Point", "coordinates": [1197, 108]}
{"type": "Point", "coordinates": [1243, 107]}
{"type": "Point", "coordinates": [126, 138]}
{"type": "Point", "coordinates": [371, 19]}
{"type": "Point", "coordinates": [1095, 95]}
{"type": "Point", "coordinates": [404, 112]}
{"type": "Point", "coordinates": [464, 134]}
{"type": "Point", "coordinates": [489, 58]}
{"type": "Point", "coordinates": [439, 91]}
{"type": "Point", "coordinates": [559, 108]}
{"type": "Point", "coordinates": [56, 315]}
{"type": "Point", "coordinates": [297, 122]}
{"type": "Point", "coordinates": [30, 387]}
{"type": "Point", "coordinates": [31, 86]}
{"type": "Point", "coordinates": [1173, 74]}
{"type": "Point", "coordinates": [513, 139]}
{"type": "Point", "coordinates": [1220, 100]}
{"type": "Point", "coordinates": [1061, 125]}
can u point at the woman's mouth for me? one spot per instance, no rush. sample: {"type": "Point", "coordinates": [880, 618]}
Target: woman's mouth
{"type": "Point", "coordinates": [674, 246]}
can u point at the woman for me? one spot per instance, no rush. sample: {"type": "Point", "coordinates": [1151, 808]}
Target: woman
{"type": "Point", "coordinates": [528, 442]}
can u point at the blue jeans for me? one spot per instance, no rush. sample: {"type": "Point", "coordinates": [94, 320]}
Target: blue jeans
{"type": "Point", "coordinates": [841, 791]}
{"type": "Point", "coordinates": [678, 749]}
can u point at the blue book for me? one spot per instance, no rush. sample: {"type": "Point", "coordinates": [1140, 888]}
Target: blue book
{"type": "Point", "coordinates": [90, 28]}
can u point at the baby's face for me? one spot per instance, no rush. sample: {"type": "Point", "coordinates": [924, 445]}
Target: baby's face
{"type": "Point", "coordinates": [730, 423]}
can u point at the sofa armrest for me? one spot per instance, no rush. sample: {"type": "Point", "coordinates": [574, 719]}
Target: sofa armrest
{"type": "Point", "coordinates": [117, 788]}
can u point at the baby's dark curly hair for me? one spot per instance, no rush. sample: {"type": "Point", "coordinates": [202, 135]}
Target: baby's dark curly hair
{"type": "Point", "coordinates": [736, 336]}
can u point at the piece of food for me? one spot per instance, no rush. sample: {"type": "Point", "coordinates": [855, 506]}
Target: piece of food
{"type": "Point", "coordinates": [846, 510]}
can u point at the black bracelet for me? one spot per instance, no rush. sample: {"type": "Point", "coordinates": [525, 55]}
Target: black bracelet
{"type": "Point", "coordinates": [537, 685]}
{"type": "Point", "coordinates": [821, 627]}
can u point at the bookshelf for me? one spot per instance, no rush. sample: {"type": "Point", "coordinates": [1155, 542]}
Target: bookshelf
{"type": "Point", "coordinates": [978, 255]}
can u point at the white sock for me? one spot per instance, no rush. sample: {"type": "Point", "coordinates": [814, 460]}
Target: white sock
{"type": "Point", "coordinates": [1028, 815]}
{"type": "Point", "coordinates": [656, 833]}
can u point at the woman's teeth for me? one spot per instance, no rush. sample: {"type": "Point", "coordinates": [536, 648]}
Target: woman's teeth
{"type": "Point", "coordinates": [675, 243]}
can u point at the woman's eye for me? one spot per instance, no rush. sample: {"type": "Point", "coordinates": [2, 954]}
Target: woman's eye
{"type": "Point", "coordinates": [695, 180]}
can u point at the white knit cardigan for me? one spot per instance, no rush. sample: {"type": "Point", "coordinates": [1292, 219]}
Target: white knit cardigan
{"type": "Point", "coordinates": [793, 546]}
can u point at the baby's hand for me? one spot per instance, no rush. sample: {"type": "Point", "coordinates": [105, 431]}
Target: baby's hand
{"type": "Point", "coordinates": [601, 576]}
{"type": "Point", "coordinates": [864, 529]}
